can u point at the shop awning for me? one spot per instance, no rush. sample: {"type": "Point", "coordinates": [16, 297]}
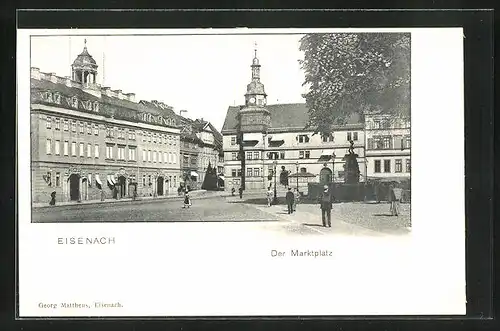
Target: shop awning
{"type": "Point", "coordinates": [194, 174]}
{"type": "Point", "coordinates": [98, 180]}
{"type": "Point", "coordinates": [221, 177]}
{"type": "Point", "coordinates": [110, 180]}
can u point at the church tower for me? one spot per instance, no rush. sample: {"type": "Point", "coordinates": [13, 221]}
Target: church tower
{"type": "Point", "coordinates": [254, 117]}
{"type": "Point", "coordinates": [84, 68]}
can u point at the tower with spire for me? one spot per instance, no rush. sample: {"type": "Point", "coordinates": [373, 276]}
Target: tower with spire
{"type": "Point", "coordinates": [254, 117]}
{"type": "Point", "coordinates": [84, 68]}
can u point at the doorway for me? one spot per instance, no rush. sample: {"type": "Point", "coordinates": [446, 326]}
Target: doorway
{"type": "Point", "coordinates": [159, 185]}
{"type": "Point", "coordinates": [121, 184]}
{"type": "Point", "coordinates": [74, 187]}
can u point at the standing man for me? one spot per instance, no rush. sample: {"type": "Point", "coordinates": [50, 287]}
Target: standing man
{"type": "Point", "coordinates": [290, 198]}
{"type": "Point", "coordinates": [296, 200]}
{"type": "Point", "coordinates": [326, 199]}
{"type": "Point", "coordinates": [241, 192]}
{"type": "Point", "coordinates": [397, 192]}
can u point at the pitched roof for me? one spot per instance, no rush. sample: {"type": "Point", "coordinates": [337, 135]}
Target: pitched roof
{"type": "Point", "coordinates": [283, 116]}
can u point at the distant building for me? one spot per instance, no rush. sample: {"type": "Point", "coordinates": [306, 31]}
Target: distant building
{"type": "Point", "coordinates": [388, 146]}
{"type": "Point", "coordinates": [201, 145]}
{"type": "Point", "coordinates": [87, 139]}
{"type": "Point", "coordinates": [272, 136]}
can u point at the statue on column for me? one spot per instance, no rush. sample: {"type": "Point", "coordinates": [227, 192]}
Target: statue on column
{"type": "Point", "coordinates": [351, 166]}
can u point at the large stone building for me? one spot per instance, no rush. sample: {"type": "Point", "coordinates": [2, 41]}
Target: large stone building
{"type": "Point", "coordinates": [87, 139]}
{"type": "Point", "coordinates": [388, 143]}
{"type": "Point", "coordinates": [274, 136]}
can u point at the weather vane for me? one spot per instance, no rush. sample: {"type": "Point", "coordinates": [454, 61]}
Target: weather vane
{"type": "Point", "coordinates": [255, 48]}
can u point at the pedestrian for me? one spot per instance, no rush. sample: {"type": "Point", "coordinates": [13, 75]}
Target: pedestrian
{"type": "Point", "coordinates": [187, 201]}
{"type": "Point", "coordinates": [326, 199]}
{"type": "Point", "coordinates": [397, 192]}
{"type": "Point", "coordinates": [232, 191]}
{"type": "Point", "coordinates": [241, 192]}
{"type": "Point", "coordinates": [102, 195]}
{"type": "Point", "coordinates": [134, 193]}
{"type": "Point", "coordinates": [297, 199]}
{"type": "Point", "coordinates": [290, 198]}
{"type": "Point", "coordinates": [269, 196]}
{"type": "Point", "coordinates": [52, 198]}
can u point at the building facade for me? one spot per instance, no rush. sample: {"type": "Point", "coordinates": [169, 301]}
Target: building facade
{"type": "Point", "coordinates": [201, 146]}
{"type": "Point", "coordinates": [388, 146]}
{"type": "Point", "coordinates": [271, 137]}
{"type": "Point", "coordinates": [90, 142]}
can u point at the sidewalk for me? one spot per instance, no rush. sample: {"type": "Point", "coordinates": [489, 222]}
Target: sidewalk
{"type": "Point", "coordinates": [199, 194]}
{"type": "Point", "coordinates": [310, 216]}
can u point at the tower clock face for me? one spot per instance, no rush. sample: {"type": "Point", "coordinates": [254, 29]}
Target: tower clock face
{"type": "Point", "coordinates": [252, 100]}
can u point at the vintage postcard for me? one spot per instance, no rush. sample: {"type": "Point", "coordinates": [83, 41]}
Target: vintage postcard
{"type": "Point", "coordinates": [241, 172]}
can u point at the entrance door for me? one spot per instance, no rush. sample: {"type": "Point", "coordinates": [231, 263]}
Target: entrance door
{"type": "Point", "coordinates": [121, 186]}
{"type": "Point", "coordinates": [325, 176]}
{"type": "Point", "coordinates": [74, 187]}
{"type": "Point", "coordinates": [159, 185]}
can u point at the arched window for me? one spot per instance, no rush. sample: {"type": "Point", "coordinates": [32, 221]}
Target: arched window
{"type": "Point", "coordinates": [96, 106]}
{"type": "Point", "coordinates": [74, 102]}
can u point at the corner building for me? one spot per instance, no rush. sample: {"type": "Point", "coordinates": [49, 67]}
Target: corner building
{"type": "Point", "coordinates": [273, 136]}
{"type": "Point", "coordinates": [87, 140]}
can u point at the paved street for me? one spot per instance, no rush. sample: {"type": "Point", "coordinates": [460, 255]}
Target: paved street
{"type": "Point", "coordinates": [347, 218]}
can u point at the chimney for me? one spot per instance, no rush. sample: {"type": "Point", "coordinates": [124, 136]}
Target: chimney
{"type": "Point", "coordinates": [68, 81]}
{"type": "Point", "coordinates": [53, 77]}
{"type": "Point", "coordinates": [130, 97]}
{"type": "Point", "coordinates": [35, 73]}
{"type": "Point", "coordinates": [107, 91]}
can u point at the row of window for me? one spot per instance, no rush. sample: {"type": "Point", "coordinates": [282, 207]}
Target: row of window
{"type": "Point", "coordinates": [304, 138]}
{"type": "Point", "coordinates": [159, 138]}
{"type": "Point", "coordinates": [398, 166]}
{"type": "Point", "coordinates": [90, 128]}
{"type": "Point", "coordinates": [82, 150]}
{"type": "Point", "coordinates": [120, 152]}
{"type": "Point", "coordinates": [156, 156]}
{"type": "Point", "coordinates": [388, 124]}
{"type": "Point", "coordinates": [389, 142]}
{"type": "Point", "coordinates": [73, 102]}
{"type": "Point", "coordinates": [270, 155]}
{"type": "Point", "coordinates": [257, 172]}
{"type": "Point", "coordinates": [111, 132]}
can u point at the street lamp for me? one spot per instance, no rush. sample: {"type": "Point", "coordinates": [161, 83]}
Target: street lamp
{"type": "Point", "coordinates": [275, 200]}
{"type": "Point", "coordinates": [333, 166]}
{"type": "Point", "coordinates": [297, 174]}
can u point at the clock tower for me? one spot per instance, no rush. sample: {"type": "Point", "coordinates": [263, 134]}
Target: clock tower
{"type": "Point", "coordinates": [254, 117]}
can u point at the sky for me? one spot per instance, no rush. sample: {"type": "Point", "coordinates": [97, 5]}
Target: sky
{"type": "Point", "coordinates": [203, 74]}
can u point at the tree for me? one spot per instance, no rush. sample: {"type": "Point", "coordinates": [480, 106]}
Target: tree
{"type": "Point", "coordinates": [355, 72]}
{"type": "Point", "coordinates": [210, 181]}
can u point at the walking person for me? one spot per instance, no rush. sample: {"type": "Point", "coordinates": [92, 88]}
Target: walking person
{"type": "Point", "coordinates": [296, 194]}
{"type": "Point", "coordinates": [187, 201]}
{"type": "Point", "coordinates": [103, 196]}
{"type": "Point", "coordinates": [241, 192]}
{"type": "Point", "coordinates": [326, 200]}
{"type": "Point", "coordinates": [269, 196]}
{"type": "Point", "coordinates": [232, 191]}
{"type": "Point", "coordinates": [52, 199]}
{"type": "Point", "coordinates": [290, 198]}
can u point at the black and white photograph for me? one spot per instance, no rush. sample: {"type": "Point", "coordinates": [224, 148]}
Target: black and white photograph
{"type": "Point", "coordinates": [239, 172]}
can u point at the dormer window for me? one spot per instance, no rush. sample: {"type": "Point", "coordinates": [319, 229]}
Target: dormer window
{"type": "Point", "coordinates": [74, 102]}
{"type": "Point", "coordinates": [96, 106]}
{"type": "Point", "coordinates": [303, 138]}
{"type": "Point", "coordinates": [57, 98]}
{"type": "Point", "coordinates": [49, 97]}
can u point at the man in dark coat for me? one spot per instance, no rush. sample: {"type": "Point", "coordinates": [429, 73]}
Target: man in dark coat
{"type": "Point", "coordinates": [326, 199]}
{"type": "Point", "coordinates": [290, 198]}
